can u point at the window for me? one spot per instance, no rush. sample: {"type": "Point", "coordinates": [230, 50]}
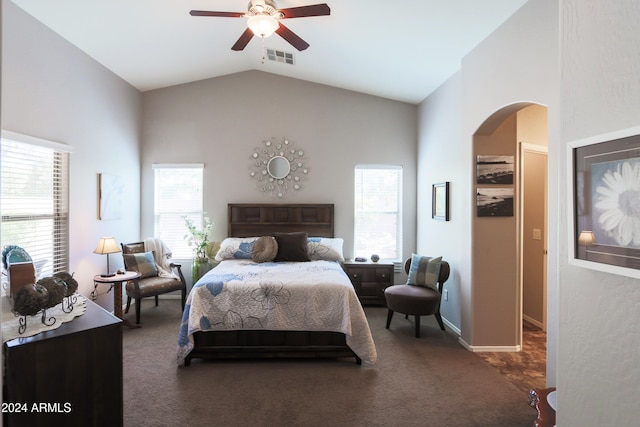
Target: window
{"type": "Point", "coordinates": [34, 200]}
{"type": "Point", "coordinates": [177, 192]}
{"type": "Point", "coordinates": [378, 211]}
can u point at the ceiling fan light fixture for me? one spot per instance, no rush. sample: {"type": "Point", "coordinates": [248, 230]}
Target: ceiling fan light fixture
{"type": "Point", "coordinates": [262, 25]}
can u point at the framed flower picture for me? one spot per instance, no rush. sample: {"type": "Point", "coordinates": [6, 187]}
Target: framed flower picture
{"type": "Point", "coordinates": [605, 211]}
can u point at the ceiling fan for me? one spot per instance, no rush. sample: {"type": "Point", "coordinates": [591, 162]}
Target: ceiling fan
{"type": "Point", "coordinates": [263, 19]}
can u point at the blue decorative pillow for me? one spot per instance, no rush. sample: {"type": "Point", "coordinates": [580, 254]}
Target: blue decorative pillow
{"type": "Point", "coordinates": [424, 271]}
{"type": "Point", "coordinates": [324, 248]}
{"type": "Point", "coordinates": [236, 248]}
{"type": "Point", "coordinates": [143, 263]}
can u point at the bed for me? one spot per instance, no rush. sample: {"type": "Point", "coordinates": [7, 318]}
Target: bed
{"type": "Point", "coordinates": [287, 309]}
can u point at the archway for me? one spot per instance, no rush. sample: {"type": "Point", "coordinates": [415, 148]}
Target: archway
{"type": "Point", "coordinates": [498, 225]}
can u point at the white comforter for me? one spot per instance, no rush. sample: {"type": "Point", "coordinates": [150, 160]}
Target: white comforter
{"type": "Point", "coordinates": [309, 296]}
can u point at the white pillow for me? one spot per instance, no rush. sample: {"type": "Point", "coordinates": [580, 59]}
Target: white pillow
{"type": "Point", "coordinates": [325, 248]}
{"type": "Point", "coordinates": [236, 248]}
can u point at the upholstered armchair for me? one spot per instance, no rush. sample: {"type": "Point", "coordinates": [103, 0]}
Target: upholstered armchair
{"type": "Point", "coordinates": [422, 296]}
{"type": "Point", "coordinates": [158, 275]}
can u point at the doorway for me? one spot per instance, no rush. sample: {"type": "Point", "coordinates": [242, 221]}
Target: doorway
{"type": "Point", "coordinates": [504, 245]}
{"type": "Point", "coordinates": [533, 226]}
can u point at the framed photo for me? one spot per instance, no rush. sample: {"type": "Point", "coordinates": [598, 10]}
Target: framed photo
{"type": "Point", "coordinates": [604, 183]}
{"type": "Point", "coordinates": [492, 169]}
{"type": "Point", "coordinates": [494, 201]}
{"type": "Point", "coordinates": [440, 201]}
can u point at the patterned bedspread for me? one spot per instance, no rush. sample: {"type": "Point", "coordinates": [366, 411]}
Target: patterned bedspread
{"type": "Point", "coordinates": [309, 296]}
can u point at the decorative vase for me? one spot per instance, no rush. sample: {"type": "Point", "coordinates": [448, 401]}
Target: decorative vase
{"type": "Point", "coordinates": [375, 258]}
{"type": "Point", "coordinates": [199, 267]}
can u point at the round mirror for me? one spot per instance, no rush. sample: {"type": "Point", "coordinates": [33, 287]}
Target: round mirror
{"type": "Point", "coordinates": [278, 167]}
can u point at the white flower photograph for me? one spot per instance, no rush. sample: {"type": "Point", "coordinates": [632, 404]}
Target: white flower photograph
{"type": "Point", "coordinates": [616, 202]}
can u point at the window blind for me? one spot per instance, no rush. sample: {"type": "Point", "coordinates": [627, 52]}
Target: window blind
{"type": "Point", "coordinates": [34, 201]}
{"type": "Point", "coordinates": [378, 211]}
{"type": "Point", "coordinates": [178, 192]}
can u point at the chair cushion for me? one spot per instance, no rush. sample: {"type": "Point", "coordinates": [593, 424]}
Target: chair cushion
{"type": "Point", "coordinates": [412, 300]}
{"type": "Point", "coordinates": [143, 263]}
{"type": "Point", "coordinates": [264, 249]}
{"type": "Point", "coordinates": [292, 246]}
{"type": "Point", "coordinates": [152, 286]}
{"type": "Point", "coordinates": [424, 271]}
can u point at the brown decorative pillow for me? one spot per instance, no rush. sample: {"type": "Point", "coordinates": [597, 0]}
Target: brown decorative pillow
{"type": "Point", "coordinates": [264, 249]}
{"type": "Point", "coordinates": [292, 247]}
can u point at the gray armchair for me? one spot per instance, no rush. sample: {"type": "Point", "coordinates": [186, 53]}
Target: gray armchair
{"type": "Point", "coordinates": [150, 284]}
{"type": "Point", "coordinates": [416, 300]}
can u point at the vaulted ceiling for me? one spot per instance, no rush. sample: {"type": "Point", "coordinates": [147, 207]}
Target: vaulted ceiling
{"type": "Point", "coordinates": [400, 50]}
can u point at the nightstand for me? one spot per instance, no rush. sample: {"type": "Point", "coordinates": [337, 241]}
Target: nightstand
{"type": "Point", "coordinates": [370, 279]}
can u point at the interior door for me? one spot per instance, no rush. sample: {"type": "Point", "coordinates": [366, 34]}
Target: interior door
{"type": "Point", "coordinates": [534, 234]}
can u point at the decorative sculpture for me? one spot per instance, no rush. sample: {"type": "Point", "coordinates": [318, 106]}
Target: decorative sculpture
{"type": "Point", "coordinates": [45, 293]}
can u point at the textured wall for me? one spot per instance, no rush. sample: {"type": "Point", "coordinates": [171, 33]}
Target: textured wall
{"type": "Point", "coordinates": [599, 313]}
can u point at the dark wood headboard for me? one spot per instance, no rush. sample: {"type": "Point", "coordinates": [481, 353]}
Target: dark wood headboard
{"type": "Point", "coordinates": [259, 219]}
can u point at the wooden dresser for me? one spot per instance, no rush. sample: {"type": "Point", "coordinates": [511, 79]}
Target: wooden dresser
{"type": "Point", "coordinates": [68, 376]}
{"type": "Point", "coordinates": [370, 279]}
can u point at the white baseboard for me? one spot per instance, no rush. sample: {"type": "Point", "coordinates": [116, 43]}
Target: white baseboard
{"type": "Point", "coordinates": [533, 321]}
{"type": "Point", "coordinates": [163, 296]}
{"type": "Point", "coordinates": [169, 296]}
{"type": "Point", "coordinates": [490, 348]}
{"type": "Point", "coordinates": [451, 326]}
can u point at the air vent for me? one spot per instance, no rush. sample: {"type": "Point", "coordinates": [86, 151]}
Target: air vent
{"type": "Point", "coordinates": [280, 56]}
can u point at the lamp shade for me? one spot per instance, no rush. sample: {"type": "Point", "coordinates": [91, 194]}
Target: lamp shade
{"type": "Point", "coordinates": [263, 25]}
{"type": "Point", "coordinates": [107, 245]}
{"type": "Point", "coordinates": [587, 238]}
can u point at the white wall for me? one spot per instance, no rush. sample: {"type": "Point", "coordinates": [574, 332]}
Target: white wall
{"type": "Point", "coordinates": [599, 334]}
{"type": "Point", "coordinates": [515, 66]}
{"type": "Point", "coordinates": [443, 156]}
{"type": "Point", "coordinates": [52, 90]}
{"type": "Point", "coordinates": [221, 121]}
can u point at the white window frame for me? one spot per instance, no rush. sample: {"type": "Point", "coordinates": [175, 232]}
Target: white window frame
{"type": "Point", "coordinates": [190, 205]}
{"type": "Point", "coordinates": [44, 209]}
{"type": "Point", "coordinates": [360, 247]}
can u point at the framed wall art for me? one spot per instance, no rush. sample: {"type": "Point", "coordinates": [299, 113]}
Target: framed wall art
{"type": "Point", "coordinates": [440, 201]}
{"type": "Point", "coordinates": [494, 201]}
{"type": "Point", "coordinates": [604, 185]}
{"type": "Point", "coordinates": [110, 192]}
{"type": "Point", "coordinates": [493, 169]}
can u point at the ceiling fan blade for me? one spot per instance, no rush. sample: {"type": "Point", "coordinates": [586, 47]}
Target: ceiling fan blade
{"type": "Point", "coordinates": [220, 14]}
{"type": "Point", "coordinates": [243, 41]}
{"type": "Point", "coordinates": [303, 11]}
{"type": "Point", "coordinates": [292, 38]}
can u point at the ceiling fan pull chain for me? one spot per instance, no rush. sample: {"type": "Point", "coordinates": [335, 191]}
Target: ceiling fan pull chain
{"type": "Point", "coordinates": [264, 51]}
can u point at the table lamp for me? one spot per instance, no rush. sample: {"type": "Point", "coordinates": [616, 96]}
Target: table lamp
{"type": "Point", "coordinates": [107, 245]}
{"type": "Point", "coordinates": [587, 238]}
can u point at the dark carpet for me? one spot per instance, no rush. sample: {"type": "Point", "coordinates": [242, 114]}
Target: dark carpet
{"type": "Point", "coordinates": [430, 381]}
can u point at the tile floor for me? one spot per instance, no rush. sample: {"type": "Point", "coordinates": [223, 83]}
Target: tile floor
{"type": "Point", "coordinates": [526, 368]}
